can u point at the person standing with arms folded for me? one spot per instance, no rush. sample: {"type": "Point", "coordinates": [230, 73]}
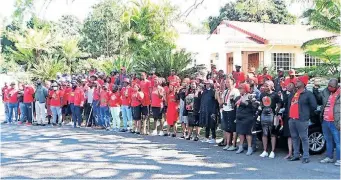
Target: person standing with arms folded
{"type": "Point", "coordinates": [301, 105]}
{"type": "Point", "coordinates": [329, 98]}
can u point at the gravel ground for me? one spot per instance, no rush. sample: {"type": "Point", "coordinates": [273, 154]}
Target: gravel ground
{"type": "Point", "coordinates": [48, 152]}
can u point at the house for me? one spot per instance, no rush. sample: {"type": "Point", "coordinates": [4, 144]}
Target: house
{"type": "Point", "coordinates": [257, 45]}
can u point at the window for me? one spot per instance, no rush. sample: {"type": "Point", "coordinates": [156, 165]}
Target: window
{"type": "Point", "coordinates": [311, 61]}
{"type": "Point", "coordinates": [282, 60]}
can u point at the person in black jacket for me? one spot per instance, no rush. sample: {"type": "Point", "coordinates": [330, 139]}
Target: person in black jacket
{"type": "Point", "coordinates": [208, 108]}
{"type": "Point", "coordinates": [301, 105]}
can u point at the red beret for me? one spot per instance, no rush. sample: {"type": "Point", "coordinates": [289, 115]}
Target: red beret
{"type": "Point", "coordinates": [245, 86]}
{"type": "Point", "coordinates": [304, 79]}
{"type": "Point", "coordinates": [254, 79]}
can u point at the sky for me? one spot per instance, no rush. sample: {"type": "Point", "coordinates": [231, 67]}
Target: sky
{"type": "Point", "coordinates": [81, 8]}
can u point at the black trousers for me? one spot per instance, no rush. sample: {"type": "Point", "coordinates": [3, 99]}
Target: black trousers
{"type": "Point", "coordinates": [207, 132]}
{"type": "Point", "coordinates": [88, 114]}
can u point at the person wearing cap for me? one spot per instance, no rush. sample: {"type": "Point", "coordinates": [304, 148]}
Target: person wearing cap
{"type": "Point", "coordinates": [136, 102]}
{"type": "Point", "coordinates": [302, 104]}
{"type": "Point", "coordinates": [279, 79]}
{"type": "Point", "coordinates": [78, 103]}
{"type": "Point", "coordinates": [291, 79]}
{"type": "Point", "coordinates": [4, 91]}
{"type": "Point", "coordinates": [208, 110]}
{"type": "Point", "coordinates": [40, 102]}
{"type": "Point", "coordinates": [115, 102]}
{"type": "Point", "coordinates": [245, 117]}
{"type": "Point", "coordinates": [238, 75]}
{"type": "Point", "coordinates": [12, 103]}
{"type": "Point", "coordinates": [104, 118]}
{"type": "Point", "coordinates": [146, 88]}
{"type": "Point", "coordinates": [270, 105]}
{"type": "Point", "coordinates": [126, 93]}
{"type": "Point", "coordinates": [228, 124]}
{"type": "Point", "coordinates": [56, 99]}
{"type": "Point", "coordinates": [157, 103]}
{"type": "Point", "coordinates": [329, 98]}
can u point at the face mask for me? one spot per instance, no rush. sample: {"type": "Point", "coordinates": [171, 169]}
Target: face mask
{"type": "Point", "coordinates": [38, 84]}
{"type": "Point", "coordinates": [55, 88]}
{"type": "Point", "coordinates": [331, 89]}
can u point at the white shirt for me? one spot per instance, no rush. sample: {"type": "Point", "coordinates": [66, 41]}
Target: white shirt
{"type": "Point", "coordinates": [90, 95]}
{"type": "Point", "coordinates": [235, 93]}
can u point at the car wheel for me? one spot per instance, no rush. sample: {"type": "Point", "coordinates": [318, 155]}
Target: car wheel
{"type": "Point", "coordinates": [317, 143]}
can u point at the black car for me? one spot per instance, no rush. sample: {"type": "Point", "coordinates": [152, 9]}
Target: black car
{"type": "Point", "coordinates": [317, 143]}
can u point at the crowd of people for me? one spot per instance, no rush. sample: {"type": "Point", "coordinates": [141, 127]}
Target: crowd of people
{"type": "Point", "coordinates": [234, 102]}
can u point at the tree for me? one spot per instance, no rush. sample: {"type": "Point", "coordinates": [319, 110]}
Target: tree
{"type": "Point", "coordinates": [70, 51]}
{"type": "Point", "coordinates": [69, 26]}
{"type": "Point", "coordinates": [266, 11]}
{"type": "Point", "coordinates": [325, 15]}
{"type": "Point", "coordinates": [102, 31]}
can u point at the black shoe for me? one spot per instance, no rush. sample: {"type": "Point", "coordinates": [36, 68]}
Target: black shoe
{"type": "Point", "coordinates": [182, 137]}
{"type": "Point", "coordinates": [42, 124]}
{"type": "Point", "coordinates": [294, 159]}
{"type": "Point", "coordinates": [188, 138]}
{"type": "Point", "coordinates": [221, 143]}
{"type": "Point", "coordinates": [166, 134]}
{"type": "Point", "coordinates": [305, 160]}
{"type": "Point", "coordinates": [196, 139]}
{"type": "Point", "coordinates": [137, 133]}
{"type": "Point", "coordinates": [173, 135]}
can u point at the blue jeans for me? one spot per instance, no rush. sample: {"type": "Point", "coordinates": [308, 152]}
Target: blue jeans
{"type": "Point", "coordinates": [95, 111]}
{"type": "Point", "coordinates": [104, 118]}
{"type": "Point", "coordinates": [127, 116]}
{"type": "Point", "coordinates": [331, 135]}
{"type": "Point", "coordinates": [23, 113]}
{"type": "Point", "coordinates": [76, 116]}
{"type": "Point", "coordinates": [56, 113]}
{"type": "Point", "coordinates": [6, 111]}
{"type": "Point", "coordinates": [72, 109]}
{"type": "Point", "coordinates": [28, 111]}
{"type": "Point", "coordinates": [11, 107]}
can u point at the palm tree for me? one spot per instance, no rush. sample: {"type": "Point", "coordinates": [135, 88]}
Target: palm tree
{"type": "Point", "coordinates": [48, 68]}
{"type": "Point", "coordinates": [325, 15]}
{"type": "Point", "coordinates": [70, 51]}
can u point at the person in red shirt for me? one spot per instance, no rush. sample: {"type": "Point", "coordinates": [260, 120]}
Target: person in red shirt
{"type": "Point", "coordinates": [134, 80]}
{"type": "Point", "coordinates": [12, 96]}
{"type": "Point", "coordinates": [28, 102]}
{"type": "Point", "coordinates": [172, 109]}
{"type": "Point", "coordinates": [157, 97]}
{"type": "Point", "coordinates": [95, 102]}
{"type": "Point", "coordinates": [238, 75]}
{"type": "Point", "coordinates": [173, 77]}
{"type": "Point", "coordinates": [4, 92]}
{"type": "Point", "coordinates": [66, 109]}
{"type": "Point", "coordinates": [115, 107]}
{"type": "Point", "coordinates": [56, 99]}
{"type": "Point", "coordinates": [126, 92]}
{"type": "Point", "coordinates": [136, 102]}
{"type": "Point", "coordinates": [78, 102]}
{"type": "Point", "coordinates": [262, 78]}
{"type": "Point", "coordinates": [292, 78]}
{"type": "Point", "coordinates": [103, 107]}
{"type": "Point", "coordinates": [146, 88]}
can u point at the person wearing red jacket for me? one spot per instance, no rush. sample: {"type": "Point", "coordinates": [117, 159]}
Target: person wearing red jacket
{"type": "Point", "coordinates": [78, 102]}
{"type": "Point", "coordinates": [115, 102]}
{"type": "Point", "coordinates": [56, 99]}
{"type": "Point", "coordinates": [12, 96]}
{"type": "Point", "coordinates": [126, 108]}
{"type": "Point", "coordinates": [103, 107]}
{"type": "Point", "coordinates": [136, 102]}
{"type": "Point", "coordinates": [28, 102]}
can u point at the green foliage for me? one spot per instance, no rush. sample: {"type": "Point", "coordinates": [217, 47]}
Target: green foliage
{"type": "Point", "coordinates": [69, 26]}
{"type": "Point", "coordinates": [327, 70]}
{"type": "Point", "coordinates": [266, 11]}
{"type": "Point", "coordinates": [102, 31]}
{"type": "Point", "coordinates": [70, 51]}
{"type": "Point", "coordinates": [48, 68]}
{"type": "Point", "coordinates": [325, 15]}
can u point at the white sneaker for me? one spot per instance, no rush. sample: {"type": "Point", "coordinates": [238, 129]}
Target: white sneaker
{"type": "Point", "coordinates": [226, 147]}
{"type": "Point", "coordinates": [327, 160]}
{"type": "Point", "coordinates": [337, 163]}
{"type": "Point", "coordinates": [154, 133]}
{"type": "Point", "coordinates": [272, 155]}
{"type": "Point", "coordinates": [212, 141]}
{"type": "Point", "coordinates": [161, 133]}
{"type": "Point", "coordinates": [205, 140]}
{"type": "Point", "coordinates": [264, 154]}
{"type": "Point", "coordinates": [157, 123]}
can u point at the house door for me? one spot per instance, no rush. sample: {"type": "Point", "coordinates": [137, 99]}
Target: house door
{"type": "Point", "coordinates": [230, 65]}
{"type": "Point", "coordinates": [253, 61]}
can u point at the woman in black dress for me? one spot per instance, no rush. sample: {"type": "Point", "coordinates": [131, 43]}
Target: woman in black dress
{"type": "Point", "coordinates": [290, 91]}
{"type": "Point", "coordinates": [245, 117]}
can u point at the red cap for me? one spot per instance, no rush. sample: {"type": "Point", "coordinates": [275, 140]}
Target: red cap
{"type": "Point", "coordinates": [304, 79]}
{"type": "Point", "coordinates": [292, 72]}
{"type": "Point", "coordinates": [245, 86]}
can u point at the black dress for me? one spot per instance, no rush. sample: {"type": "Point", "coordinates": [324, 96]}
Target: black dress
{"type": "Point", "coordinates": [286, 99]}
{"type": "Point", "coordinates": [245, 118]}
{"type": "Point", "coordinates": [207, 108]}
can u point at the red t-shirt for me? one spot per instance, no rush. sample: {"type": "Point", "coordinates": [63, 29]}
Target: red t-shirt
{"type": "Point", "coordinates": [5, 91]}
{"type": "Point", "coordinates": [104, 98]}
{"type": "Point", "coordinates": [136, 98]}
{"type": "Point", "coordinates": [156, 100]}
{"type": "Point", "coordinates": [66, 95]}
{"type": "Point", "coordinates": [28, 94]}
{"type": "Point", "coordinates": [135, 81]}
{"type": "Point", "coordinates": [71, 96]}
{"type": "Point", "coordinates": [56, 98]}
{"type": "Point", "coordinates": [78, 97]}
{"type": "Point", "coordinates": [12, 95]}
{"type": "Point", "coordinates": [126, 95]}
{"type": "Point", "coordinates": [100, 82]}
{"type": "Point", "coordinates": [145, 86]}
{"type": "Point", "coordinates": [96, 94]}
{"type": "Point", "coordinates": [239, 77]}
{"type": "Point", "coordinates": [294, 110]}
{"type": "Point", "coordinates": [115, 99]}
{"type": "Point", "coordinates": [174, 78]}
{"type": "Point", "coordinates": [262, 77]}
{"type": "Point", "coordinates": [328, 114]}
